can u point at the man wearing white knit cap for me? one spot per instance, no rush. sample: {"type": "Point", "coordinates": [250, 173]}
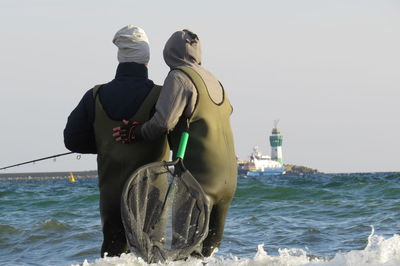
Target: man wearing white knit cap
{"type": "Point", "coordinates": [133, 45]}
{"type": "Point", "coordinates": [129, 96]}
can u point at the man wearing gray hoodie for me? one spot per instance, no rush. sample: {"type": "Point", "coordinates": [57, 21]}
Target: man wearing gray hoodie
{"type": "Point", "coordinates": [193, 99]}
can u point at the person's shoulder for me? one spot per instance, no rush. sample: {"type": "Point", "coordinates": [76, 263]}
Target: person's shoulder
{"type": "Point", "coordinates": [176, 73]}
{"type": "Point", "coordinates": [90, 93]}
{"type": "Point", "coordinates": [179, 76]}
{"type": "Point", "coordinates": [150, 84]}
{"type": "Point", "coordinates": [156, 86]}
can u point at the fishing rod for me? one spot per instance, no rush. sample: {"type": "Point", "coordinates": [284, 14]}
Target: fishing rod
{"type": "Point", "coordinates": [41, 159]}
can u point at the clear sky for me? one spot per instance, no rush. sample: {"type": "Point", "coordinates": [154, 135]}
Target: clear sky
{"type": "Point", "coordinates": [329, 70]}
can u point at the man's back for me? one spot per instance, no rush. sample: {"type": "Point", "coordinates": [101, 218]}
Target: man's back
{"type": "Point", "coordinates": [131, 95]}
{"type": "Point", "coordinates": [116, 162]}
{"type": "Point", "coordinates": [122, 97]}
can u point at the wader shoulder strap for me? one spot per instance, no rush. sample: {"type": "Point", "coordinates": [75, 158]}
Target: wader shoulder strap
{"type": "Point", "coordinates": [199, 84]}
{"type": "Point", "coordinates": [96, 90]}
{"type": "Point", "coordinates": [194, 77]}
{"type": "Point", "coordinates": [148, 103]}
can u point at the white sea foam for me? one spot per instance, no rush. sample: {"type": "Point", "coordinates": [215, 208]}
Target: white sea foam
{"type": "Point", "coordinates": [379, 251]}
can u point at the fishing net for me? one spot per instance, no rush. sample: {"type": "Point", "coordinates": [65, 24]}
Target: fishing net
{"type": "Point", "coordinates": [165, 212]}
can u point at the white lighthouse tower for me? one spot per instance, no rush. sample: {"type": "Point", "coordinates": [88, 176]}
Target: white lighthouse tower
{"type": "Point", "coordinates": [276, 140]}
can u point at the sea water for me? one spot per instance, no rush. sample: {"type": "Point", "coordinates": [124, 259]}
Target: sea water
{"type": "Point", "coordinates": [319, 219]}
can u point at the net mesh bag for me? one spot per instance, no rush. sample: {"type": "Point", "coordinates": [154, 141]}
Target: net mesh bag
{"type": "Point", "coordinates": [165, 212]}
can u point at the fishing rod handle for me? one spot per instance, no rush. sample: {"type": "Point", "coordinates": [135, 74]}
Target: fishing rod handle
{"type": "Point", "coordinates": [182, 145]}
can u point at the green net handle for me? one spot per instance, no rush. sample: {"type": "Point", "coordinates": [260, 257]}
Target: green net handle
{"type": "Point", "coordinates": [182, 145]}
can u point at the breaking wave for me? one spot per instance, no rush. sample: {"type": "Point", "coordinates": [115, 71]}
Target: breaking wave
{"type": "Point", "coordinates": [379, 251]}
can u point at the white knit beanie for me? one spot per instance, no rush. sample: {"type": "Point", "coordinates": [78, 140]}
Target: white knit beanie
{"type": "Point", "coordinates": [133, 45]}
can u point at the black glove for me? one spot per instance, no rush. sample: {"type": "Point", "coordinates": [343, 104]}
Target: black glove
{"type": "Point", "coordinates": [126, 132]}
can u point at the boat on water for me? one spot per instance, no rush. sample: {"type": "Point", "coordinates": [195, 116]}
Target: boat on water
{"type": "Point", "coordinates": [260, 165]}
{"type": "Point", "coordinates": [264, 165]}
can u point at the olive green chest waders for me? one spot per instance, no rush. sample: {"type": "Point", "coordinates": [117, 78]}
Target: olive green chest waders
{"type": "Point", "coordinates": [116, 162]}
{"type": "Point", "coordinates": [210, 155]}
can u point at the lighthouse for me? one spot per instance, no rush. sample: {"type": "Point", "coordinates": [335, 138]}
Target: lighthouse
{"type": "Point", "coordinates": [276, 144]}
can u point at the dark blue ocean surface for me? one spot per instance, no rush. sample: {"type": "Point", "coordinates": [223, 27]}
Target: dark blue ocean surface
{"type": "Point", "coordinates": [330, 219]}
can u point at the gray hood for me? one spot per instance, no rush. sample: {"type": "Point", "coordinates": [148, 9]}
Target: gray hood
{"type": "Point", "coordinates": [182, 48]}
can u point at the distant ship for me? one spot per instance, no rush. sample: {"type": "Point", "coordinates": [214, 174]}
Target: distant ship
{"type": "Point", "coordinates": [262, 165]}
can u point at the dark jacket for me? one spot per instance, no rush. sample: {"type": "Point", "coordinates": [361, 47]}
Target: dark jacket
{"type": "Point", "coordinates": [121, 98]}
